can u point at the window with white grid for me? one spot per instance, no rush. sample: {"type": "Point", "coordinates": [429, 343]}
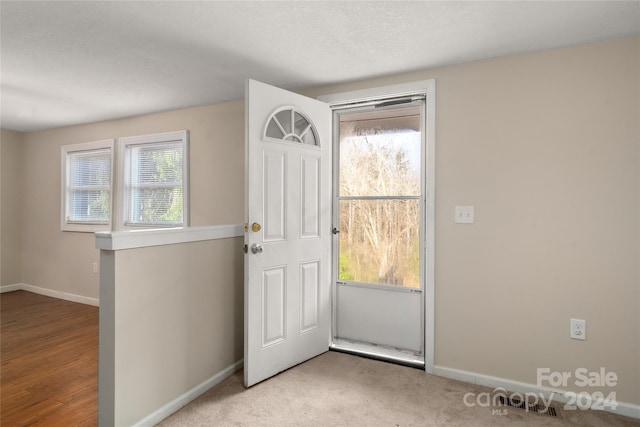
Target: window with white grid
{"type": "Point", "coordinates": [87, 171]}
{"type": "Point", "coordinates": [153, 184]}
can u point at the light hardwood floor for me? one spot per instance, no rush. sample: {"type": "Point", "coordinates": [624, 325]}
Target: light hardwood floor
{"type": "Point", "coordinates": [49, 361]}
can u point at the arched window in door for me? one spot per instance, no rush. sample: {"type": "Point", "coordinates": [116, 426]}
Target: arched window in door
{"type": "Point", "coordinates": [288, 124]}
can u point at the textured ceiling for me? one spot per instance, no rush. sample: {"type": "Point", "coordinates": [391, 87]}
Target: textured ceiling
{"type": "Point", "coordinates": [76, 62]}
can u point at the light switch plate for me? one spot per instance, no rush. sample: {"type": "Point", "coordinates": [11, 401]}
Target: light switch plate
{"type": "Point", "coordinates": [464, 215]}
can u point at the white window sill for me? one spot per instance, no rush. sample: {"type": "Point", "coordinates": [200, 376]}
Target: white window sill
{"type": "Point", "coordinates": [85, 228]}
{"type": "Point", "coordinates": [118, 240]}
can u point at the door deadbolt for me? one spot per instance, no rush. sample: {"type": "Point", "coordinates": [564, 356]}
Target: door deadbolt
{"type": "Point", "coordinates": [255, 227]}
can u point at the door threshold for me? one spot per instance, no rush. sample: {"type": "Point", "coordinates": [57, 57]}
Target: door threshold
{"type": "Point", "coordinates": [379, 352]}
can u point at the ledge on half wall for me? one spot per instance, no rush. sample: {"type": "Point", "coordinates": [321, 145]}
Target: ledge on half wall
{"type": "Point", "coordinates": [117, 240]}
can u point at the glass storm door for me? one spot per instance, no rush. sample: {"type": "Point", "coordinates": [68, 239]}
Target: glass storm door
{"type": "Point", "coordinates": [288, 232]}
{"type": "Point", "coordinates": [378, 206]}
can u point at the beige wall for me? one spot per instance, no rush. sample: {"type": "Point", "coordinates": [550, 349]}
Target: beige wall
{"type": "Point", "coordinates": [178, 321]}
{"type": "Point", "coordinates": [545, 145]}
{"type": "Point", "coordinates": [62, 261]}
{"type": "Point", "coordinates": [10, 218]}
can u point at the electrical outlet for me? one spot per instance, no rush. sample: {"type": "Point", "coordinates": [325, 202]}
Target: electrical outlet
{"type": "Point", "coordinates": [95, 268]}
{"type": "Point", "coordinates": [578, 329]}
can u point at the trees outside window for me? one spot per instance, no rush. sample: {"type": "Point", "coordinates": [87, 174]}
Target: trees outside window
{"type": "Point", "coordinates": [379, 201]}
{"type": "Point", "coordinates": [154, 180]}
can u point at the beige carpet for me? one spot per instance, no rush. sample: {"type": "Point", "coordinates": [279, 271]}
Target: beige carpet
{"type": "Point", "coordinates": [337, 389]}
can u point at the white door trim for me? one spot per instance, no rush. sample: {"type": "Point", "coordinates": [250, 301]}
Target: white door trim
{"type": "Point", "coordinates": [428, 88]}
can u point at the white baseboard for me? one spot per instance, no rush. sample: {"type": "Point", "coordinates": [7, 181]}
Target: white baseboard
{"type": "Point", "coordinates": [10, 288]}
{"type": "Point", "coordinates": [182, 400]}
{"type": "Point", "coordinates": [50, 293]}
{"type": "Point", "coordinates": [628, 410]}
{"type": "Point", "coordinates": [622, 408]}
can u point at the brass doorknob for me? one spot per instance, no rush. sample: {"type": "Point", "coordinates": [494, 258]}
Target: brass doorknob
{"type": "Point", "coordinates": [255, 227]}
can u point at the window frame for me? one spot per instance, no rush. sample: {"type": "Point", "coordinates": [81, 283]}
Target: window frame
{"type": "Point", "coordinates": [65, 152]}
{"type": "Point", "coordinates": [125, 145]}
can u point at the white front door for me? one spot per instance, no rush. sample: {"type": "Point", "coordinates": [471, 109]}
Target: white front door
{"type": "Point", "coordinates": [288, 238]}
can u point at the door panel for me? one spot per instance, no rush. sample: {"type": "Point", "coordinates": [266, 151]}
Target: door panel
{"type": "Point", "coordinates": [379, 316]}
{"type": "Point", "coordinates": [275, 167]}
{"type": "Point", "coordinates": [287, 265]}
{"type": "Point", "coordinates": [310, 295]}
{"type": "Point", "coordinates": [273, 305]}
{"type": "Point", "coordinates": [310, 213]}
